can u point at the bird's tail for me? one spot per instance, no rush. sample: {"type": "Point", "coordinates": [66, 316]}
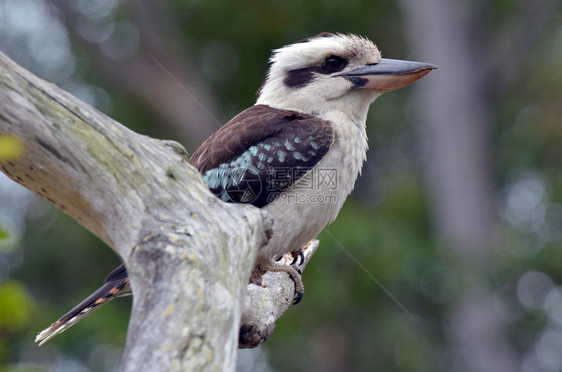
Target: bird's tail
{"type": "Point", "coordinates": [116, 284]}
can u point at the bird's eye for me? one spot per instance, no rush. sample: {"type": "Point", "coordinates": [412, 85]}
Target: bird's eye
{"type": "Point", "coordinates": [333, 64]}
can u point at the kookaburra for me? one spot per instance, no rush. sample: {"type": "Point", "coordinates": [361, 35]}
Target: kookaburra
{"type": "Point", "coordinates": [296, 153]}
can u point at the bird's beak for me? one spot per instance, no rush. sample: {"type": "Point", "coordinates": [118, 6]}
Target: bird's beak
{"type": "Point", "coordinates": [387, 74]}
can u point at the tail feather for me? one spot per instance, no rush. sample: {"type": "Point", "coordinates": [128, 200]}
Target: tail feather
{"type": "Point", "coordinates": [116, 284]}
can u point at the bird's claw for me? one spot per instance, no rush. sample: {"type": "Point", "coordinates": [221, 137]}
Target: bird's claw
{"type": "Point", "coordinates": [297, 298]}
{"type": "Point", "coordinates": [300, 254]}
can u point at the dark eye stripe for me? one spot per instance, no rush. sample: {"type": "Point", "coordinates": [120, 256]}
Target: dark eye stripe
{"type": "Point", "coordinates": [300, 78]}
{"type": "Point", "coordinates": [303, 76]}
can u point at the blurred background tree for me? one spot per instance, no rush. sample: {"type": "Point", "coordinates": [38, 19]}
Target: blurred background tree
{"type": "Point", "coordinates": [446, 257]}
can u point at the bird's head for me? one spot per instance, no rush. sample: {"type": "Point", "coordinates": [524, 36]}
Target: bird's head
{"type": "Point", "coordinates": [334, 72]}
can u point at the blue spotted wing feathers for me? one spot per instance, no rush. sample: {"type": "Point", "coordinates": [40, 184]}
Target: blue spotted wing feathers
{"type": "Point", "coordinates": [261, 152]}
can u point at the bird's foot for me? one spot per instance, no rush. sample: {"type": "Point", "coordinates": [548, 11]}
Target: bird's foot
{"type": "Point", "coordinates": [296, 256]}
{"type": "Point", "coordinates": [283, 264]}
{"type": "Point", "coordinates": [290, 264]}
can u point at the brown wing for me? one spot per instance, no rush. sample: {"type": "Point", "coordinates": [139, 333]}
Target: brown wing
{"type": "Point", "coordinates": [261, 152]}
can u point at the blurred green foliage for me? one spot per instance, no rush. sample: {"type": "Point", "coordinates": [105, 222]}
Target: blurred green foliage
{"type": "Point", "coordinates": [5, 237]}
{"type": "Point", "coordinates": [16, 310]}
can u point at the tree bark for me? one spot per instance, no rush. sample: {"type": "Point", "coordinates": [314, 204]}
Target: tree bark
{"type": "Point", "coordinates": [189, 255]}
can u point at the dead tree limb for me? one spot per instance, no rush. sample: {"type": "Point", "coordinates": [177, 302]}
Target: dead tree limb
{"type": "Point", "coordinates": [189, 255]}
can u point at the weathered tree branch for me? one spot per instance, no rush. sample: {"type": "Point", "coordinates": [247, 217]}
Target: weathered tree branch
{"type": "Point", "coordinates": [266, 302]}
{"type": "Point", "coordinates": [189, 255]}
